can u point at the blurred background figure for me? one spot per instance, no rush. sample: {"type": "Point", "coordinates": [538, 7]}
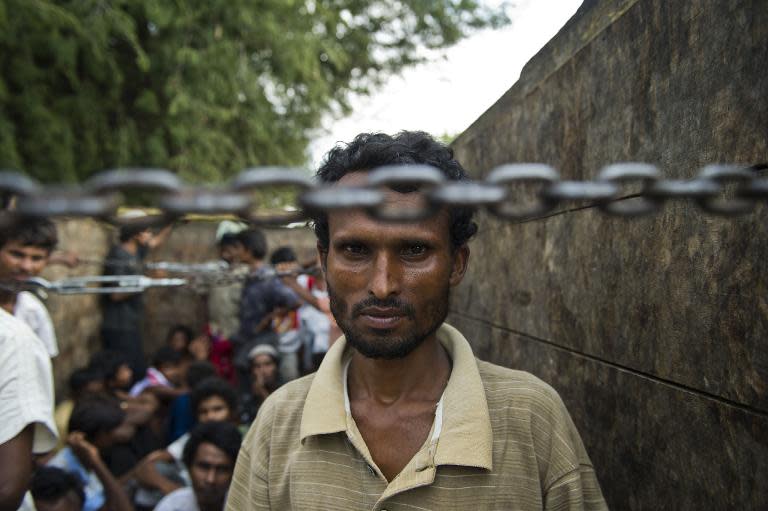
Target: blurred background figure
{"type": "Point", "coordinates": [55, 489]}
{"type": "Point", "coordinates": [123, 313]}
{"type": "Point", "coordinates": [210, 456]}
{"type": "Point", "coordinates": [265, 379]}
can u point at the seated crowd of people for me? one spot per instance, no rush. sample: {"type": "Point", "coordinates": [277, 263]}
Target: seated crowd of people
{"type": "Point", "coordinates": [168, 439]}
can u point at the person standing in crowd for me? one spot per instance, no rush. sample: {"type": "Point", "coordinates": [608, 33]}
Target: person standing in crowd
{"type": "Point", "coordinates": [92, 427]}
{"type": "Point", "coordinates": [25, 249]}
{"type": "Point", "coordinates": [210, 456]}
{"type": "Point", "coordinates": [265, 379]}
{"type": "Point", "coordinates": [401, 414]}
{"type": "Point", "coordinates": [264, 297]}
{"type": "Point", "coordinates": [123, 313]}
{"type": "Point", "coordinates": [224, 299]}
{"type": "Point", "coordinates": [26, 407]}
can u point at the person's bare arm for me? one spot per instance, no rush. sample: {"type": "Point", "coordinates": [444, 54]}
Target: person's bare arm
{"type": "Point", "coordinates": [159, 238]}
{"type": "Point", "coordinates": [303, 293]}
{"type": "Point", "coordinates": [116, 498]}
{"type": "Point", "coordinates": [147, 474]}
{"type": "Point", "coordinates": [16, 469]}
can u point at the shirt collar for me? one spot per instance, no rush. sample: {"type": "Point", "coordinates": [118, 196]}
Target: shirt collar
{"type": "Point", "coordinates": [466, 438]}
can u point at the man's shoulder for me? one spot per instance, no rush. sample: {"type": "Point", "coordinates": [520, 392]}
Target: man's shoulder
{"type": "Point", "coordinates": [16, 333]}
{"type": "Point", "coordinates": [504, 386]}
{"type": "Point", "coordinates": [182, 499]}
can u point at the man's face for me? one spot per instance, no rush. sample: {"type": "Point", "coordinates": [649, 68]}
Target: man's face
{"type": "Point", "coordinates": [20, 262]}
{"type": "Point", "coordinates": [389, 283]}
{"type": "Point", "coordinates": [144, 237]}
{"type": "Point", "coordinates": [123, 377]}
{"type": "Point", "coordinates": [264, 369]}
{"type": "Point", "coordinates": [213, 409]}
{"type": "Point", "coordinates": [173, 371]}
{"type": "Point", "coordinates": [211, 473]}
{"type": "Point", "coordinates": [231, 253]}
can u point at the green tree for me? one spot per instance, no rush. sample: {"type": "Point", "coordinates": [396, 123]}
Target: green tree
{"type": "Point", "coordinates": [204, 87]}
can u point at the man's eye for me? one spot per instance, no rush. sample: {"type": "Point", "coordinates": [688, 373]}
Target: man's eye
{"type": "Point", "coordinates": [415, 250]}
{"type": "Point", "coordinates": [354, 249]}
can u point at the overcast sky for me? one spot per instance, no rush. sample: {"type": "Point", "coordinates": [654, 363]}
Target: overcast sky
{"type": "Point", "coordinates": [446, 95]}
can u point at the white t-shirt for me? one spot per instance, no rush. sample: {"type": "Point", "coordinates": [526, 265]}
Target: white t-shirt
{"type": "Point", "coordinates": [182, 499]}
{"type": "Point", "coordinates": [26, 385]}
{"type": "Point", "coordinates": [31, 311]}
{"type": "Point", "coordinates": [316, 321]}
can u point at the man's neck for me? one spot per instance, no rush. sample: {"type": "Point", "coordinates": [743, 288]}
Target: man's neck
{"type": "Point", "coordinates": [421, 375]}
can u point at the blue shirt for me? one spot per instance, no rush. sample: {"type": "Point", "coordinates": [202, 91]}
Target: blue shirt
{"type": "Point", "coordinates": [94, 491]}
{"type": "Point", "coordinates": [262, 293]}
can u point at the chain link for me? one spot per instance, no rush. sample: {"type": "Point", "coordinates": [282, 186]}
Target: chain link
{"type": "Point", "coordinates": [717, 189]}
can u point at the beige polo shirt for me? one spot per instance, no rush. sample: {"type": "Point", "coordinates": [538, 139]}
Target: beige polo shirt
{"type": "Point", "coordinates": [505, 441]}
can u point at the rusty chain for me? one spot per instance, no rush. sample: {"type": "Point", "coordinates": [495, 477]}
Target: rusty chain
{"type": "Point", "coordinates": [722, 189]}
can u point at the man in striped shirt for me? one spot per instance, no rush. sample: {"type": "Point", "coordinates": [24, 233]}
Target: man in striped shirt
{"type": "Point", "coordinates": [400, 415]}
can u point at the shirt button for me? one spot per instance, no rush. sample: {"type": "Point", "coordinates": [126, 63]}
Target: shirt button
{"type": "Point", "coordinates": [373, 473]}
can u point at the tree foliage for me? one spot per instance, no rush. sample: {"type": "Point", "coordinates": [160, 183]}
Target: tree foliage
{"type": "Point", "coordinates": [204, 87]}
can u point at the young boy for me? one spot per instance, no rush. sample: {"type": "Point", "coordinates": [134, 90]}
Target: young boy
{"type": "Point", "coordinates": [164, 375]}
{"type": "Point", "coordinates": [25, 249]}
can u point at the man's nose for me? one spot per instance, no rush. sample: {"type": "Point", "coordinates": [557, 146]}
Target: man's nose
{"type": "Point", "coordinates": [27, 264]}
{"type": "Point", "coordinates": [210, 475]}
{"type": "Point", "coordinates": [385, 281]}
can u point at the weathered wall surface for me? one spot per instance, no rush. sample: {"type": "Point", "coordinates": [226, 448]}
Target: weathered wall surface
{"type": "Point", "coordinates": [77, 318]}
{"type": "Point", "coordinates": [654, 330]}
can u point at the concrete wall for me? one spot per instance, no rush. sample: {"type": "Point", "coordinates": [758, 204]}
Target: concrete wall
{"type": "Point", "coordinates": [77, 318]}
{"type": "Point", "coordinates": [654, 329]}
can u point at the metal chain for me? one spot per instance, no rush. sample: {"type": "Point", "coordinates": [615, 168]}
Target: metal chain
{"type": "Point", "coordinates": [717, 189]}
{"type": "Point", "coordinates": [201, 279]}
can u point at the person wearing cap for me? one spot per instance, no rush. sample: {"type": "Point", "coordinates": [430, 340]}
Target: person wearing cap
{"type": "Point", "coordinates": [223, 299]}
{"type": "Point", "coordinates": [265, 379]}
{"type": "Point", "coordinates": [123, 313]}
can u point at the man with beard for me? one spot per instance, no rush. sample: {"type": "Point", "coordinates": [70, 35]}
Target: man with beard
{"type": "Point", "coordinates": [400, 414]}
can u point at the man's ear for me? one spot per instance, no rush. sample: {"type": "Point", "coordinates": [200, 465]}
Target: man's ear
{"type": "Point", "coordinates": [459, 264]}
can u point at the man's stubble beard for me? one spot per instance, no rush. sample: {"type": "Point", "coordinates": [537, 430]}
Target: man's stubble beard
{"type": "Point", "coordinates": [385, 346]}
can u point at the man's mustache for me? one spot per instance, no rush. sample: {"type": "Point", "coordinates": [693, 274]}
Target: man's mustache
{"type": "Point", "coordinates": [403, 308]}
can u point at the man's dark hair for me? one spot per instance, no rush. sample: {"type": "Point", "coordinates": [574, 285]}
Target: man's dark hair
{"type": "Point", "coordinates": [95, 414]}
{"type": "Point", "coordinates": [108, 362]}
{"type": "Point", "coordinates": [370, 150]}
{"type": "Point", "coordinates": [254, 241]}
{"type": "Point", "coordinates": [127, 232]}
{"type": "Point", "coordinates": [31, 232]}
{"type": "Point", "coordinates": [50, 484]}
{"type": "Point", "coordinates": [283, 255]}
{"type": "Point", "coordinates": [229, 239]}
{"type": "Point", "coordinates": [213, 386]}
{"type": "Point", "coordinates": [80, 378]}
{"type": "Point", "coordinates": [166, 356]}
{"type": "Point", "coordinates": [188, 333]}
{"type": "Point", "coordinates": [223, 435]}
{"type": "Point", "coordinates": [198, 371]}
